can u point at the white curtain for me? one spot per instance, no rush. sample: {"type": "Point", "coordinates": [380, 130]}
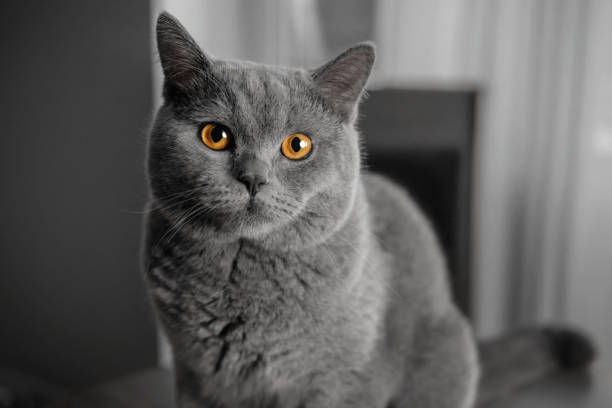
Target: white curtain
{"type": "Point", "coordinates": [588, 283]}
{"type": "Point", "coordinates": [544, 75]}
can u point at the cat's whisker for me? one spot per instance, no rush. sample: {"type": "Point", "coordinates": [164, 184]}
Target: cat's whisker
{"type": "Point", "coordinates": [178, 226]}
{"type": "Point", "coordinates": [196, 194]}
{"type": "Point", "coordinates": [159, 206]}
{"type": "Point", "coordinates": [166, 208]}
{"type": "Point", "coordinates": [175, 226]}
{"type": "Point", "coordinates": [203, 190]}
{"type": "Point", "coordinates": [201, 187]}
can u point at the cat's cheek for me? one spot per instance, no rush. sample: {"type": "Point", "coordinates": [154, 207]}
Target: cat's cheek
{"type": "Point", "coordinates": [305, 179]}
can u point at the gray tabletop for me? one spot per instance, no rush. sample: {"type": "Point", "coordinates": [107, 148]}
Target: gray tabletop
{"type": "Point", "coordinates": [154, 389]}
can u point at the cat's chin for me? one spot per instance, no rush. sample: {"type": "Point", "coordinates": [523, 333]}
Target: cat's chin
{"type": "Point", "coordinates": [253, 220]}
{"type": "Point", "coordinates": [257, 219]}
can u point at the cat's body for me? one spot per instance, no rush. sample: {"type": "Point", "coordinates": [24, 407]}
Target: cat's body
{"type": "Point", "coordinates": [317, 285]}
{"type": "Point", "coordinates": [343, 323]}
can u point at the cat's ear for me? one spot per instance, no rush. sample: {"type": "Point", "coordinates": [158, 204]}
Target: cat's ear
{"type": "Point", "coordinates": [186, 68]}
{"type": "Point", "coordinates": [342, 80]}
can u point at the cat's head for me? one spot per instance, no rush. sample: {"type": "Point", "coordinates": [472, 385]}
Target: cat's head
{"type": "Point", "coordinates": [253, 151]}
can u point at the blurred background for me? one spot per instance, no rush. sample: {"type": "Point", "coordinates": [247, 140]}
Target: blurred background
{"type": "Point", "coordinates": [497, 115]}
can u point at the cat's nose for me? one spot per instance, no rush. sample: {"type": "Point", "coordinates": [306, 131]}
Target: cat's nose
{"type": "Point", "coordinates": [253, 182]}
{"type": "Point", "coordinates": [252, 172]}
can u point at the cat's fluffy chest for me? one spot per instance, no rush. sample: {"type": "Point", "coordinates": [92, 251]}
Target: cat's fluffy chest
{"type": "Point", "coordinates": [240, 310]}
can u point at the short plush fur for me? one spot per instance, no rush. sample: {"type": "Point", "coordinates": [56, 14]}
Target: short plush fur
{"type": "Point", "coordinates": [325, 287]}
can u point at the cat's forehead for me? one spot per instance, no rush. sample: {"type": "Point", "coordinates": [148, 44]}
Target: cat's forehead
{"type": "Point", "coordinates": [263, 98]}
{"type": "Point", "coordinates": [257, 83]}
{"type": "Point", "coordinates": [249, 71]}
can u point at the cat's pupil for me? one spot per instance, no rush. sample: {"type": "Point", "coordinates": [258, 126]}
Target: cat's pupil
{"type": "Point", "coordinates": [217, 134]}
{"type": "Point", "coordinates": [296, 144]}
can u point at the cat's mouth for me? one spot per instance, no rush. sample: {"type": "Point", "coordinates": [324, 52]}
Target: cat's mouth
{"type": "Point", "coordinates": [261, 214]}
{"type": "Point", "coordinates": [245, 215]}
{"type": "Point", "coordinates": [257, 209]}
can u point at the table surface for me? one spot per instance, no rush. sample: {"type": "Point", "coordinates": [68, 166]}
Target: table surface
{"type": "Point", "coordinates": [588, 389]}
{"type": "Point", "coordinates": [154, 389]}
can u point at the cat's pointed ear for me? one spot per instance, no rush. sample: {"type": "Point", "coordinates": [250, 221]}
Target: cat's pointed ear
{"type": "Point", "coordinates": [342, 80]}
{"type": "Point", "coordinates": [186, 68]}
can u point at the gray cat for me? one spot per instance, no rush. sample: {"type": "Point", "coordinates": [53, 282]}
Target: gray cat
{"type": "Point", "coordinates": [283, 274]}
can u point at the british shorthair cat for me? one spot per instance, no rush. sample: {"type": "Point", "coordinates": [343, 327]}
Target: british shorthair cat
{"type": "Point", "coordinates": [283, 274]}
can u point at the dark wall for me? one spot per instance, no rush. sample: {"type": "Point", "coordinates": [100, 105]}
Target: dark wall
{"type": "Point", "coordinates": [75, 101]}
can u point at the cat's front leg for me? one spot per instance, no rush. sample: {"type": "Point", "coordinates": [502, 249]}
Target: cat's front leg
{"type": "Point", "coordinates": [442, 370]}
{"type": "Point", "coordinates": [347, 388]}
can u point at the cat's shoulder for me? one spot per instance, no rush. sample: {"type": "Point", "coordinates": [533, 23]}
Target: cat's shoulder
{"type": "Point", "coordinates": [386, 195]}
{"type": "Point", "coordinates": [391, 205]}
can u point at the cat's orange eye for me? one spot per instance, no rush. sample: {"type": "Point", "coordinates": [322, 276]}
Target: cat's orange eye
{"type": "Point", "coordinates": [296, 146]}
{"type": "Point", "coordinates": [215, 136]}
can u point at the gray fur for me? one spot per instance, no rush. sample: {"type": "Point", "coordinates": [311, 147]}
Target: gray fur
{"type": "Point", "coordinates": [327, 287]}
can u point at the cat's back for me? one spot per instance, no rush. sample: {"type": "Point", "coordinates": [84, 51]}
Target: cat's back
{"type": "Point", "coordinates": [404, 232]}
{"type": "Point", "coordinates": [394, 213]}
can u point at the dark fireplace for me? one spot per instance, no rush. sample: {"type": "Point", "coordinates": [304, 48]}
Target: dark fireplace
{"type": "Point", "coordinates": [423, 140]}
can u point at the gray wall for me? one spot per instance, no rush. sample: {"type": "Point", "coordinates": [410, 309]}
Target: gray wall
{"type": "Point", "coordinates": [74, 107]}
